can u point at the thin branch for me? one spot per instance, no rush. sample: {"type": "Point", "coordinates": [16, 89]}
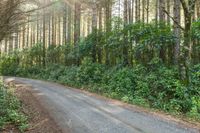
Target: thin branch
{"type": "Point", "coordinates": [174, 20]}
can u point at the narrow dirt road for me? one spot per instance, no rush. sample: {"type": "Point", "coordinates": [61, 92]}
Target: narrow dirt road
{"type": "Point", "coordinates": [85, 113]}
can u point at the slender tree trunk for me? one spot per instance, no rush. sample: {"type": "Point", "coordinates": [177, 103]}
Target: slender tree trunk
{"type": "Point", "coordinates": [147, 10]}
{"type": "Point", "coordinates": [27, 33]}
{"type": "Point", "coordinates": [37, 23]}
{"type": "Point", "coordinates": [44, 39]}
{"type": "Point", "coordinates": [156, 12]}
{"type": "Point", "coordinates": [23, 37]}
{"type": "Point", "coordinates": [188, 9]}
{"type": "Point", "coordinates": [143, 10]}
{"type": "Point", "coordinates": [136, 11]}
{"type": "Point", "coordinates": [69, 25]}
{"type": "Point", "coordinates": [168, 10]}
{"type": "Point", "coordinates": [77, 30]}
{"type": "Point", "coordinates": [94, 29]}
{"type": "Point", "coordinates": [59, 30]}
{"type": "Point", "coordinates": [6, 45]}
{"type": "Point", "coordinates": [65, 25]}
{"type": "Point", "coordinates": [108, 28]}
{"type": "Point", "coordinates": [162, 19]}
{"type": "Point", "coordinates": [53, 28]}
{"type": "Point", "coordinates": [177, 32]}
{"type": "Point", "coordinates": [130, 18]}
{"type": "Point", "coordinates": [125, 45]}
{"type": "Point", "coordinates": [49, 28]}
{"type": "Point", "coordinates": [16, 40]}
{"type": "Point", "coordinates": [198, 8]}
{"type": "Point", "coordinates": [133, 9]}
{"type": "Point", "coordinates": [100, 30]}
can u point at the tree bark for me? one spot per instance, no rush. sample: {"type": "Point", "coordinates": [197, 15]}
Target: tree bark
{"type": "Point", "coordinates": [177, 31]}
{"type": "Point", "coordinates": [77, 30]}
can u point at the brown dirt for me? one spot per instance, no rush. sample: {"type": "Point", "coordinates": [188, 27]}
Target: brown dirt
{"type": "Point", "coordinates": [39, 119]}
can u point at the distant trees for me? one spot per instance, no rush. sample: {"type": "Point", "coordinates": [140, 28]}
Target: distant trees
{"type": "Point", "coordinates": [109, 31]}
{"type": "Point", "coordinates": [10, 17]}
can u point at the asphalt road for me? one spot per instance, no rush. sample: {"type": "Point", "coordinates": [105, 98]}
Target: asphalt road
{"type": "Point", "coordinates": [84, 113]}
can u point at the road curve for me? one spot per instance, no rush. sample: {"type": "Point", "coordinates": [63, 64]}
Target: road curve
{"type": "Point", "coordinates": [83, 113]}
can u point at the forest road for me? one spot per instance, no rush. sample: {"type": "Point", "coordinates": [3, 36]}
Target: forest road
{"type": "Point", "coordinates": [83, 112]}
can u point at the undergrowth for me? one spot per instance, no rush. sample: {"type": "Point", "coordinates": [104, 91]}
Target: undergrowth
{"type": "Point", "coordinates": [154, 86]}
{"type": "Point", "coordinates": [10, 110]}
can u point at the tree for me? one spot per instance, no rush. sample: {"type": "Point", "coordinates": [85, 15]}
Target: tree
{"type": "Point", "coordinates": [177, 30]}
{"type": "Point", "coordinates": [188, 8]}
{"type": "Point", "coordinates": [125, 45]}
{"type": "Point", "coordinates": [10, 17]}
{"type": "Point", "coordinates": [94, 29]}
{"type": "Point", "coordinates": [198, 8]}
{"type": "Point", "coordinates": [77, 18]}
{"type": "Point", "coordinates": [162, 20]}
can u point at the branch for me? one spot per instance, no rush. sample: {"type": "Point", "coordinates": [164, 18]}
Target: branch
{"type": "Point", "coordinates": [40, 8]}
{"type": "Point", "coordinates": [174, 20]}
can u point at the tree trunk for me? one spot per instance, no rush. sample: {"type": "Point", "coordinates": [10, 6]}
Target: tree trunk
{"type": "Point", "coordinates": [143, 10]}
{"type": "Point", "coordinates": [156, 12]}
{"type": "Point", "coordinates": [77, 30]}
{"type": "Point", "coordinates": [94, 29]}
{"type": "Point", "coordinates": [147, 10]}
{"type": "Point", "coordinates": [125, 45]}
{"type": "Point", "coordinates": [69, 25]}
{"type": "Point", "coordinates": [108, 27]}
{"type": "Point", "coordinates": [177, 32]}
{"type": "Point", "coordinates": [198, 8]}
{"type": "Point", "coordinates": [168, 10]}
{"type": "Point", "coordinates": [44, 39]}
{"type": "Point", "coordinates": [100, 30]}
{"type": "Point", "coordinates": [186, 58]}
{"type": "Point", "coordinates": [65, 25]}
{"type": "Point", "coordinates": [162, 19]}
{"type": "Point", "coordinates": [27, 33]}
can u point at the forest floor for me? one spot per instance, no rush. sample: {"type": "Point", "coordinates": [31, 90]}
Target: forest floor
{"type": "Point", "coordinates": [54, 107]}
{"type": "Point", "coordinates": [38, 117]}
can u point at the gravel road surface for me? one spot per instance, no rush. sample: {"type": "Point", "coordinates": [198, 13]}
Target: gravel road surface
{"type": "Point", "coordinates": [84, 113]}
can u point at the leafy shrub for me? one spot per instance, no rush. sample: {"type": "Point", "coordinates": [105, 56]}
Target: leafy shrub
{"type": "Point", "coordinates": [90, 73]}
{"type": "Point", "coordinates": [10, 110]}
{"type": "Point", "coordinates": [121, 82]}
{"type": "Point", "coordinates": [8, 65]}
{"type": "Point", "coordinates": [69, 76]}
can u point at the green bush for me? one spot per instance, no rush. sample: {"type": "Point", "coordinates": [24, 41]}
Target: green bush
{"type": "Point", "coordinates": [9, 65]}
{"type": "Point", "coordinates": [90, 73]}
{"type": "Point", "coordinates": [69, 76]}
{"type": "Point", "coordinates": [120, 83]}
{"type": "Point", "coordinates": [10, 110]}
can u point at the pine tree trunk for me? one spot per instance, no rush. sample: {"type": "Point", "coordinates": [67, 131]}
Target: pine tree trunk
{"type": "Point", "coordinates": [125, 45]}
{"type": "Point", "coordinates": [99, 52]}
{"type": "Point", "coordinates": [162, 19]}
{"type": "Point", "coordinates": [177, 32]}
{"type": "Point", "coordinates": [94, 31]}
{"type": "Point", "coordinates": [77, 30]}
{"type": "Point", "coordinates": [69, 25]}
{"type": "Point", "coordinates": [44, 39]}
{"type": "Point", "coordinates": [147, 10]}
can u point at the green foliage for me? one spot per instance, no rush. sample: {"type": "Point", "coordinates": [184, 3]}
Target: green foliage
{"type": "Point", "coordinates": [121, 82]}
{"type": "Point", "coordinates": [8, 64]}
{"type": "Point", "coordinates": [196, 30]}
{"type": "Point", "coordinates": [90, 73]}
{"type": "Point", "coordinates": [10, 110]}
{"type": "Point", "coordinates": [149, 81]}
{"type": "Point", "coordinates": [69, 76]}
